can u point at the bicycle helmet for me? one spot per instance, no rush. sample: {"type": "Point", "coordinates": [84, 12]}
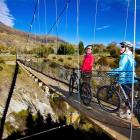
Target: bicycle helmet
{"type": "Point", "coordinates": [89, 47]}
{"type": "Point", "coordinates": [126, 44]}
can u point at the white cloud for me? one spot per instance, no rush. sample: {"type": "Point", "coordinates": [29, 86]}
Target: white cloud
{"type": "Point", "coordinates": [103, 27]}
{"type": "Point", "coordinates": [5, 16]}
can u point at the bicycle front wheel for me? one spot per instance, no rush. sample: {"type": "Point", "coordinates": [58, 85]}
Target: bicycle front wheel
{"type": "Point", "coordinates": [85, 93]}
{"type": "Point", "coordinates": [108, 98]}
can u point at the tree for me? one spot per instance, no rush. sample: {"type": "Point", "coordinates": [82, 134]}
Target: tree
{"type": "Point", "coordinates": [111, 46]}
{"type": "Point", "coordinates": [81, 48]}
{"type": "Point", "coordinates": [138, 51]}
{"type": "Point", "coordinates": [65, 49]}
{"type": "Point", "coordinates": [98, 48]}
{"type": "Point", "coordinates": [70, 49]}
{"type": "Point", "coordinates": [114, 53]}
{"type": "Point", "coordinates": [113, 50]}
{"type": "Point", "coordinates": [62, 49]}
{"type": "Point", "coordinates": [43, 51]}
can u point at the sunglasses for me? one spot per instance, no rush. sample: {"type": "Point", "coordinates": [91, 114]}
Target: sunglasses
{"type": "Point", "coordinates": [122, 46]}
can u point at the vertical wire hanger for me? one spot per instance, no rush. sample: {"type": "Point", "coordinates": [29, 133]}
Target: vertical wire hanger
{"type": "Point", "coordinates": [134, 46]}
{"type": "Point", "coordinates": [77, 36]}
{"type": "Point", "coordinates": [126, 20]}
{"type": "Point", "coordinates": [95, 22]}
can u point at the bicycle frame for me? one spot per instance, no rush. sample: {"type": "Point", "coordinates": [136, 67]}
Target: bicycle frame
{"type": "Point", "coordinates": [125, 94]}
{"type": "Point", "coordinates": [126, 98]}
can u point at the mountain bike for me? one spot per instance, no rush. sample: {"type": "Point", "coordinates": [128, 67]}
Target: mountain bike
{"type": "Point", "coordinates": [111, 97]}
{"type": "Point", "coordinates": [84, 86]}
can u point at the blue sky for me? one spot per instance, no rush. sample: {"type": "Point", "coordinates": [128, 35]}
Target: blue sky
{"type": "Point", "coordinates": [111, 17]}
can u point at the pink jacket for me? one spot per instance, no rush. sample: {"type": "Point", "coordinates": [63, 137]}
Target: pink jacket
{"type": "Point", "coordinates": [87, 63]}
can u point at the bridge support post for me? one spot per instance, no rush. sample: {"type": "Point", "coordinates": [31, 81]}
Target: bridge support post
{"type": "Point", "coordinates": [30, 75]}
{"type": "Point", "coordinates": [40, 84]}
{"type": "Point", "coordinates": [36, 80]}
{"type": "Point", "coordinates": [46, 89]}
{"type": "Point", "coordinates": [33, 76]}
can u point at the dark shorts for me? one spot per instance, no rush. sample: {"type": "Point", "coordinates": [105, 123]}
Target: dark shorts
{"type": "Point", "coordinates": [86, 76]}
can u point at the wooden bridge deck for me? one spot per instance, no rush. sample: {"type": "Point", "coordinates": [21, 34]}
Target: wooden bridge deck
{"type": "Point", "coordinates": [111, 124]}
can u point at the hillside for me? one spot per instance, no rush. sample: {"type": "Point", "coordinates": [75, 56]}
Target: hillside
{"type": "Point", "coordinates": [10, 37]}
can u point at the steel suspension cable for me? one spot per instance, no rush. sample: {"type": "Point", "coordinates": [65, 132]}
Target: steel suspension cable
{"type": "Point", "coordinates": [77, 36]}
{"type": "Point", "coordinates": [45, 10]}
{"type": "Point", "coordinates": [66, 26]}
{"type": "Point", "coordinates": [38, 14]}
{"type": "Point", "coordinates": [134, 46]}
{"type": "Point", "coordinates": [31, 24]}
{"type": "Point", "coordinates": [42, 132]}
{"type": "Point", "coordinates": [13, 83]}
{"type": "Point", "coordinates": [126, 20]}
{"type": "Point", "coordinates": [95, 22]}
{"type": "Point", "coordinates": [56, 14]}
{"type": "Point", "coordinates": [58, 18]}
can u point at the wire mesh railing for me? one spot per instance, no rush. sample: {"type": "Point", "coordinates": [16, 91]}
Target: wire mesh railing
{"type": "Point", "coordinates": [62, 73]}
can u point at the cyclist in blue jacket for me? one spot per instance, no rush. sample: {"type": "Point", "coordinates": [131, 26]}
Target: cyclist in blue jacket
{"type": "Point", "coordinates": [125, 73]}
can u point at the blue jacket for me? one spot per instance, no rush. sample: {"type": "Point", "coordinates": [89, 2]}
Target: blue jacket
{"type": "Point", "coordinates": [125, 70]}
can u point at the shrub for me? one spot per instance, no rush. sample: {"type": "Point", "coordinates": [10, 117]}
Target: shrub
{"type": "Point", "coordinates": [61, 60]}
{"type": "Point", "coordinates": [53, 65]}
{"type": "Point", "coordinates": [1, 68]}
{"type": "Point", "coordinates": [43, 51]}
{"type": "Point", "coordinates": [115, 53]}
{"type": "Point", "coordinates": [138, 71]}
{"type": "Point", "coordinates": [69, 58]}
{"type": "Point", "coordinates": [107, 61]}
{"type": "Point", "coordinates": [10, 129]}
{"type": "Point", "coordinates": [103, 61]}
{"type": "Point", "coordinates": [67, 66]}
{"type": "Point", "coordinates": [81, 48]}
{"type": "Point", "coordinates": [70, 49]}
{"type": "Point", "coordinates": [53, 57]}
{"type": "Point", "coordinates": [45, 60]}
{"type": "Point", "coordinates": [1, 60]}
{"type": "Point", "coordinates": [113, 64]}
{"type": "Point", "coordinates": [138, 51]}
{"type": "Point", "coordinates": [22, 114]}
{"type": "Point", "coordinates": [137, 58]}
{"type": "Point", "coordinates": [19, 71]}
{"type": "Point", "coordinates": [65, 49]}
{"type": "Point", "coordinates": [98, 48]}
{"type": "Point", "coordinates": [13, 52]}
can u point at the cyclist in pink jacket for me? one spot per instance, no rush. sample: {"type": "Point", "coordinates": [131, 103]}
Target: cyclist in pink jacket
{"type": "Point", "coordinates": [87, 64]}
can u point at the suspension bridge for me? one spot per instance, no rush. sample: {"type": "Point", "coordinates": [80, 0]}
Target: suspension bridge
{"type": "Point", "coordinates": [111, 124]}
{"type": "Point", "coordinates": [56, 78]}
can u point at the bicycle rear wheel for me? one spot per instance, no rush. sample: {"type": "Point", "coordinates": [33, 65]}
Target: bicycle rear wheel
{"type": "Point", "coordinates": [108, 98]}
{"type": "Point", "coordinates": [85, 93]}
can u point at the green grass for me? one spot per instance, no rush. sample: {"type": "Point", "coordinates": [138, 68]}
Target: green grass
{"type": "Point", "coordinates": [8, 57]}
{"type": "Point", "coordinates": [6, 73]}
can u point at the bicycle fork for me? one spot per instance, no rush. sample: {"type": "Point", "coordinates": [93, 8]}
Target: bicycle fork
{"type": "Point", "coordinates": [126, 98]}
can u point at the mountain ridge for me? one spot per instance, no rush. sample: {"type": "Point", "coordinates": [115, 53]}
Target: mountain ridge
{"type": "Point", "coordinates": [13, 37]}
